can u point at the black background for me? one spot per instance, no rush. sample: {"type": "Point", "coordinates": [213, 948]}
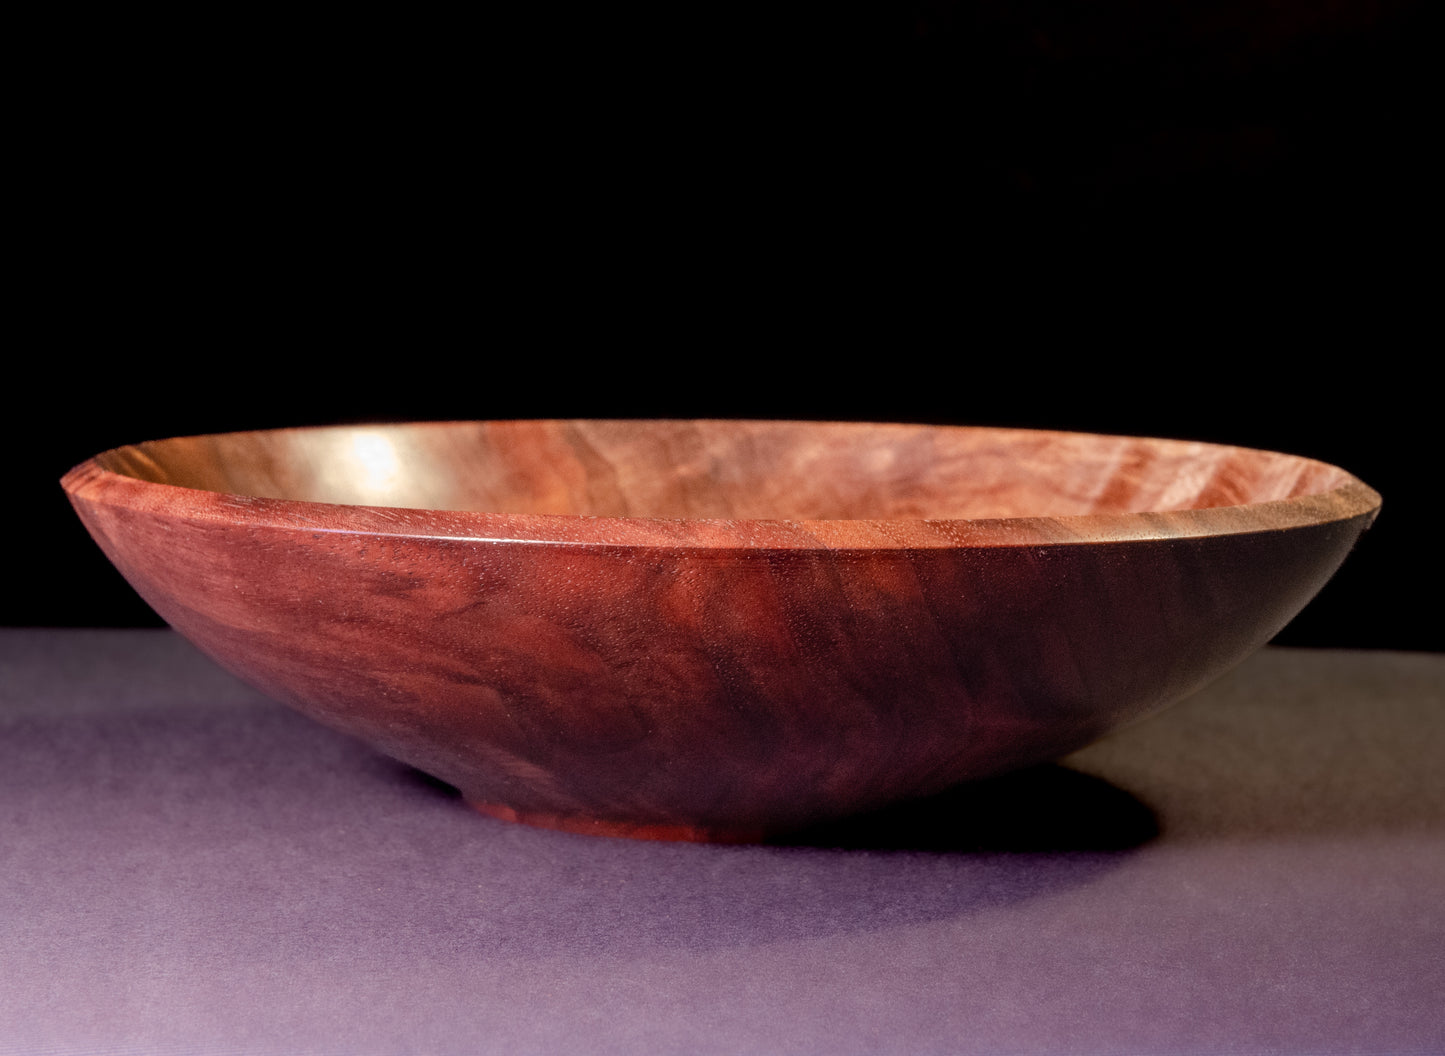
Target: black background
{"type": "Point", "coordinates": [1186, 220]}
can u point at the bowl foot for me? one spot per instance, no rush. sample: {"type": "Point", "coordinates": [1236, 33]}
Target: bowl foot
{"type": "Point", "coordinates": [633, 830]}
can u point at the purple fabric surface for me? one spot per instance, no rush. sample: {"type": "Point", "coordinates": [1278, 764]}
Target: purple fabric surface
{"type": "Point", "coordinates": [188, 867]}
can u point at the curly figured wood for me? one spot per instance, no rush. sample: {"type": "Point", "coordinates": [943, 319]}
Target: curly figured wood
{"type": "Point", "coordinates": [718, 630]}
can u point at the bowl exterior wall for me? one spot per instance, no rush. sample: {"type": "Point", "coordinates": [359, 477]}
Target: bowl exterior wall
{"type": "Point", "coordinates": [709, 690]}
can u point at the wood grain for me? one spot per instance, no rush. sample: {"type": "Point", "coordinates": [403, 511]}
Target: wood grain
{"type": "Point", "coordinates": [718, 630]}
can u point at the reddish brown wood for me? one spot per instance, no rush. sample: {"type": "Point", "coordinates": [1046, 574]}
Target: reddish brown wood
{"type": "Point", "coordinates": [718, 630]}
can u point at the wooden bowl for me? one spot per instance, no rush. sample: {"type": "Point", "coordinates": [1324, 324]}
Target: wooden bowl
{"type": "Point", "coordinates": [718, 630]}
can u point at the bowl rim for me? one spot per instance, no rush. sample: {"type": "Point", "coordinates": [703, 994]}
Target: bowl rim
{"type": "Point", "coordinates": [90, 483]}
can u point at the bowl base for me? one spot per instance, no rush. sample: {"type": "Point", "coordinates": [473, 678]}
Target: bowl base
{"type": "Point", "coordinates": [633, 830]}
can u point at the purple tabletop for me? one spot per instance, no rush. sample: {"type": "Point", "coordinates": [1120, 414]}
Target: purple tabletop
{"type": "Point", "coordinates": [187, 867]}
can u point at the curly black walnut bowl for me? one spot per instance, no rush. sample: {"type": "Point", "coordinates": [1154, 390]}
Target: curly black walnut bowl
{"type": "Point", "coordinates": [718, 630]}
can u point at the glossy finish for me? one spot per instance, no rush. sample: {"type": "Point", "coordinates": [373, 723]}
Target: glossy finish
{"type": "Point", "coordinates": [718, 630]}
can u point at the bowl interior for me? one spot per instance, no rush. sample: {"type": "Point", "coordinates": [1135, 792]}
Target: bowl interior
{"type": "Point", "coordinates": [726, 469]}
